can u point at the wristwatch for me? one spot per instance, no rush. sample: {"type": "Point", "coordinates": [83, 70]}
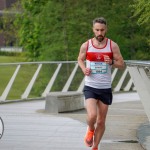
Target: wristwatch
{"type": "Point", "coordinates": [112, 62]}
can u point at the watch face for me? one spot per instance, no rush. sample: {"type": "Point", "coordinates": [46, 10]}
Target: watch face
{"type": "Point", "coordinates": [1, 127]}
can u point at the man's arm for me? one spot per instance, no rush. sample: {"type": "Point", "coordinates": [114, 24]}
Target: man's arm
{"type": "Point", "coordinates": [81, 59]}
{"type": "Point", "coordinates": [118, 61]}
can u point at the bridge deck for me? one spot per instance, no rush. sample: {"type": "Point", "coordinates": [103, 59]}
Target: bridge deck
{"type": "Point", "coordinates": [28, 127]}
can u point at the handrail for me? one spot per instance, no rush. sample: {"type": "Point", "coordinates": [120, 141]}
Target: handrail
{"type": "Point", "coordinates": [38, 62]}
{"type": "Point", "coordinates": [120, 79]}
{"type": "Point", "coordinates": [127, 62]}
{"type": "Point", "coordinates": [137, 63]}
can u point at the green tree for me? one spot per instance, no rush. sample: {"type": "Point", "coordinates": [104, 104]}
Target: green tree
{"type": "Point", "coordinates": [29, 29]}
{"type": "Point", "coordinates": [55, 29]}
{"type": "Point", "coordinates": [7, 27]}
{"type": "Point", "coordinates": [73, 26]}
{"type": "Point", "coordinates": [141, 11]}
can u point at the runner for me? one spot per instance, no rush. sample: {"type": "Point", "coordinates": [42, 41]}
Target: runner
{"type": "Point", "coordinates": [100, 54]}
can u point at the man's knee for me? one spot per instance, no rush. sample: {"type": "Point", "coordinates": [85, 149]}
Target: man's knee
{"type": "Point", "coordinates": [100, 122]}
{"type": "Point", "coordinates": [92, 117]}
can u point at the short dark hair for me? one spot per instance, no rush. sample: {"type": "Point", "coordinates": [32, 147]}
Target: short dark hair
{"type": "Point", "coordinates": [101, 20]}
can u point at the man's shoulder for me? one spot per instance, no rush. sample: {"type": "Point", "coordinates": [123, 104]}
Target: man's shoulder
{"type": "Point", "coordinates": [113, 44]}
{"type": "Point", "coordinates": [85, 44]}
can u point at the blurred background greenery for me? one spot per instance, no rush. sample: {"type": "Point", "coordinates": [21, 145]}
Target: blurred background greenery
{"type": "Point", "coordinates": [55, 29]}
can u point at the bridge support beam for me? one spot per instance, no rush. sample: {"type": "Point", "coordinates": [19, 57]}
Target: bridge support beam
{"type": "Point", "coordinates": [142, 84]}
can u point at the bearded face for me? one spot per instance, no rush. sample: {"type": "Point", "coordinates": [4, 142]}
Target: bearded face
{"type": "Point", "coordinates": [99, 31]}
{"type": "Point", "coordinates": [100, 38]}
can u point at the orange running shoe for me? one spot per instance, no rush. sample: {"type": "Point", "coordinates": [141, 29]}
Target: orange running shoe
{"type": "Point", "coordinates": [88, 139]}
{"type": "Point", "coordinates": [94, 148]}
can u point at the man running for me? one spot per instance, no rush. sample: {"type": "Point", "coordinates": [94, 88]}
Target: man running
{"type": "Point", "coordinates": [100, 54]}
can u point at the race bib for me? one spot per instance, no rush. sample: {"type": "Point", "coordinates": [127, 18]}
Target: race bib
{"type": "Point", "coordinates": [98, 67]}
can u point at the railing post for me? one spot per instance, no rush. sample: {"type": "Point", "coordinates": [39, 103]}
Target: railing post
{"type": "Point", "coordinates": [8, 87]}
{"type": "Point", "coordinates": [51, 82]}
{"type": "Point", "coordinates": [114, 74]}
{"type": "Point", "coordinates": [30, 85]}
{"type": "Point", "coordinates": [129, 85]}
{"type": "Point", "coordinates": [66, 87]}
{"type": "Point", "coordinates": [81, 86]}
{"type": "Point", "coordinates": [118, 87]}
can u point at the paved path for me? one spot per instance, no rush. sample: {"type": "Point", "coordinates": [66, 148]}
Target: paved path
{"type": "Point", "coordinates": [27, 127]}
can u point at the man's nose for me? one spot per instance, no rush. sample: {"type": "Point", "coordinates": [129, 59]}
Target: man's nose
{"type": "Point", "coordinates": [99, 32]}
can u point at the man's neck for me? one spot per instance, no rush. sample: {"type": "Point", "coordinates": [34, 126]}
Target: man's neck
{"type": "Point", "coordinates": [98, 43]}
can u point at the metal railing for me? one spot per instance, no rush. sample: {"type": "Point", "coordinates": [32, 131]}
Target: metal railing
{"type": "Point", "coordinates": [61, 76]}
{"type": "Point", "coordinates": [140, 74]}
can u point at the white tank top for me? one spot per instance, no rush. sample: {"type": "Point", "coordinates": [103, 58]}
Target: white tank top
{"type": "Point", "coordinates": [100, 76]}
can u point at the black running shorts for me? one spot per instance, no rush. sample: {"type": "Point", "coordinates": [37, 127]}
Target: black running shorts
{"type": "Point", "coordinates": [104, 95]}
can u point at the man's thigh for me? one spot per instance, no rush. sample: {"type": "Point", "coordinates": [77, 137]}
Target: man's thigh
{"type": "Point", "coordinates": [91, 106]}
{"type": "Point", "coordinates": [102, 110]}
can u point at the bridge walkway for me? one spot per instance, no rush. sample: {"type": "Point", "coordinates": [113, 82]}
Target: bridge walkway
{"type": "Point", "coordinates": [27, 126]}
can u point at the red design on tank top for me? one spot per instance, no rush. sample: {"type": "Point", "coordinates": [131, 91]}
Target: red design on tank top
{"type": "Point", "coordinates": [98, 56]}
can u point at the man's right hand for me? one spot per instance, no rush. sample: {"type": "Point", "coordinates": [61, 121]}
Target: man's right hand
{"type": "Point", "coordinates": [87, 71]}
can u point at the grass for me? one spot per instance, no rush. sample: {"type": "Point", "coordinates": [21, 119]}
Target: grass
{"type": "Point", "coordinates": [26, 73]}
{"type": "Point", "coordinates": [23, 77]}
{"type": "Point", "coordinates": [11, 59]}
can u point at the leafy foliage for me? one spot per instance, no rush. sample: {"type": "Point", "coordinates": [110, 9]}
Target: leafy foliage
{"type": "Point", "coordinates": [55, 29]}
{"type": "Point", "coordinates": [141, 9]}
{"type": "Point", "coordinates": [7, 28]}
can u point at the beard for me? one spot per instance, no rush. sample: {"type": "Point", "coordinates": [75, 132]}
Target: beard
{"type": "Point", "coordinates": [100, 38]}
